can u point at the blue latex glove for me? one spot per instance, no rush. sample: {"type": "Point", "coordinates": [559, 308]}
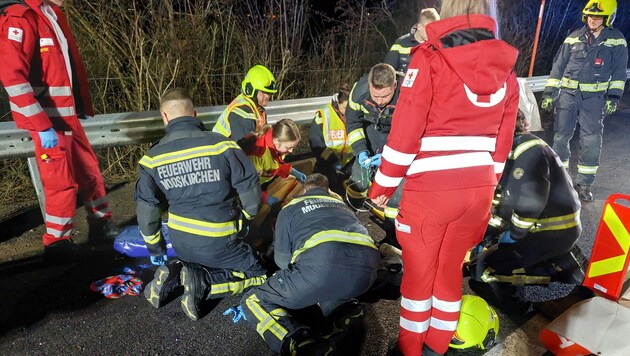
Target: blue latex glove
{"type": "Point", "coordinates": [364, 159]}
{"type": "Point", "coordinates": [238, 314]}
{"type": "Point", "coordinates": [506, 238]}
{"type": "Point", "coordinates": [376, 160]}
{"type": "Point", "coordinates": [271, 200]}
{"type": "Point", "coordinates": [49, 138]}
{"type": "Point", "coordinates": [159, 260]}
{"type": "Point", "coordinates": [338, 167]}
{"type": "Point", "coordinates": [299, 175]}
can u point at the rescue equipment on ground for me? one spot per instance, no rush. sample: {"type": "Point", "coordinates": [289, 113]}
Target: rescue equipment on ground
{"type": "Point", "coordinates": [131, 243]}
{"type": "Point", "coordinates": [114, 287]}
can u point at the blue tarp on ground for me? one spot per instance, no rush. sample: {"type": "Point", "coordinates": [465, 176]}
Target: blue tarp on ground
{"type": "Point", "coordinates": [130, 242]}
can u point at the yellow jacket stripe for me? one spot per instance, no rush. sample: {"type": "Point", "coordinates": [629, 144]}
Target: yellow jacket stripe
{"type": "Point", "coordinates": [557, 223]}
{"type": "Point", "coordinates": [203, 228]}
{"type": "Point", "coordinates": [334, 236]}
{"type": "Point", "coordinates": [300, 199]}
{"type": "Point", "coordinates": [182, 155]}
{"type": "Point", "coordinates": [355, 136]}
{"type": "Point", "coordinates": [400, 49]}
{"type": "Point", "coordinates": [520, 149]}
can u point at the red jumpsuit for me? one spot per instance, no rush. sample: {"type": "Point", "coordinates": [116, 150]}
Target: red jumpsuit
{"type": "Point", "coordinates": [451, 134]}
{"type": "Point", "coordinates": [44, 94]}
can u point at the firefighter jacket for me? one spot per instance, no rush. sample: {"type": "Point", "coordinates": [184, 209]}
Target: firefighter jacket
{"type": "Point", "coordinates": [594, 66]}
{"type": "Point", "coordinates": [240, 118]}
{"type": "Point", "coordinates": [454, 121]}
{"type": "Point", "coordinates": [399, 54]}
{"type": "Point", "coordinates": [202, 176]}
{"type": "Point", "coordinates": [367, 124]}
{"type": "Point", "coordinates": [268, 162]}
{"type": "Point", "coordinates": [316, 228]}
{"type": "Point", "coordinates": [535, 194]}
{"type": "Point", "coordinates": [42, 94]}
{"type": "Point", "coordinates": [327, 136]}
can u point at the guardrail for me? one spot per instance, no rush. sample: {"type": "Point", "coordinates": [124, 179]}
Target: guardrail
{"type": "Point", "coordinates": [123, 129]}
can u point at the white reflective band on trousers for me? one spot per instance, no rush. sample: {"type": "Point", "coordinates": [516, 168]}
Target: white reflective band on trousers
{"type": "Point", "coordinates": [414, 326]}
{"type": "Point", "coordinates": [417, 306]}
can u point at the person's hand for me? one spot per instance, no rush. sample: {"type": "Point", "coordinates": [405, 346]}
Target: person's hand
{"type": "Point", "coordinates": [547, 104]}
{"type": "Point", "coordinates": [159, 260]}
{"type": "Point", "coordinates": [238, 314]}
{"type": "Point", "coordinates": [381, 201]}
{"type": "Point", "coordinates": [364, 159]}
{"type": "Point", "coordinates": [49, 138]}
{"type": "Point", "coordinates": [271, 200]}
{"type": "Point", "coordinates": [506, 238]}
{"type": "Point", "coordinates": [299, 175]}
{"type": "Point", "coordinates": [376, 160]}
{"type": "Point", "coordinates": [611, 106]}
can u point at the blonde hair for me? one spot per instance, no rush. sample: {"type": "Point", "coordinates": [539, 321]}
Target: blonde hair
{"type": "Point", "coordinates": [427, 16]}
{"type": "Point", "coordinates": [382, 76]}
{"type": "Point", "coordinates": [285, 130]}
{"type": "Point", "coordinates": [452, 8]}
{"type": "Point", "coordinates": [176, 99]}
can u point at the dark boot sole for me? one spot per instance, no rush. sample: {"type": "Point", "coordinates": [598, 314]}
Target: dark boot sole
{"type": "Point", "coordinates": [158, 290]}
{"type": "Point", "coordinates": [189, 305]}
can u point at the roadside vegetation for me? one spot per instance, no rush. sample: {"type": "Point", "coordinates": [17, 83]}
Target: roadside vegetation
{"type": "Point", "coordinates": [136, 49]}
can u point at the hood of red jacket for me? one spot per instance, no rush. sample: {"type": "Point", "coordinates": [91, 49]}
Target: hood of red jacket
{"type": "Point", "coordinates": [483, 65]}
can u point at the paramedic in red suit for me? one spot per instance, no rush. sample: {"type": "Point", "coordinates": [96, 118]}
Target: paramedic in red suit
{"type": "Point", "coordinates": [43, 74]}
{"type": "Point", "coordinates": [451, 134]}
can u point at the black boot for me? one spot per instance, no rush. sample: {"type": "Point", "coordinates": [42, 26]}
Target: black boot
{"type": "Point", "coordinates": [344, 317]}
{"type": "Point", "coordinates": [427, 351]}
{"type": "Point", "coordinates": [62, 250]}
{"type": "Point", "coordinates": [102, 230]}
{"type": "Point", "coordinates": [302, 342]}
{"type": "Point", "coordinates": [196, 284]}
{"type": "Point", "coordinates": [567, 269]}
{"type": "Point", "coordinates": [165, 280]}
{"type": "Point", "coordinates": [584, 193]}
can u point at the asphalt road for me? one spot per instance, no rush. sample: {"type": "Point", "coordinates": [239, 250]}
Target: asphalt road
{"type": "Point", "coordinates": [48, 309]}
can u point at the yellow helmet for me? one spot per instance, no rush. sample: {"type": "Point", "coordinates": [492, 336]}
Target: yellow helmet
{"type": "Point", "coordinates": [606, 8]}
{"type": "Point", "coordinates": [478, 324]}
{"type": "Point", "coordinates": [258, 78]}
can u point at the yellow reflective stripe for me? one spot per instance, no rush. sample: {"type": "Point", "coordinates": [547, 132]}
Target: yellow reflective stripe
{"type": "Point", "coordinates": [203, 228]}
{"type": "Point", "coordinates": [572, 40]}
{"type": "Point", "coordinates": [303, 198]}
{"type": "Point", "coordinates": [356, 135]}
{"type": "Point", "coordinates": [182, 155]}
{"type": "Point", "coordinates": [356, 194]}
{"type": "Point", "coordinates": [222, 127]}
{"type": "Point", "coordinates": [557, 223]}
{"type": "Point", "coordinates": [400, 49]}
{"type": "Point", "coordinates": [612, 42]}
{"type": "Point", "coordinates": [569, 83]}
{"type": "Point", "coordinates": [391, 212]}
{"type": "Point", "coordinates": [516, 279]}
{"type": "Point", "coordinates": [617, 84]}
{"type": "Point", "coordinates": [551, 82]}
{"type": "Point", "coordinates": [565, 164]}
{"type": "Point", "coordinates": [244, 114]}
{"type": "Point", "coordinates": [237, 287]}
{"type": "Point", "coordinates": [266, 321]}
{"type": "Point", "coordinates": [520, 149]}
{"type": "Point", "coordinates": [247, 216]}
{"type": "Point", "coordinates": [616, 263]}
{"type": "Point", "coordinates": [496, 221]}
{"type": "Point", "coordinates": [152, 239]}
{"type": "Point", "coordinates": [587, 169]}
{"type": "Point", "coordinates": [238, 274]}
{"type": "Point", "coordinates": [335, 236]}
{"type": "Point", "coordinates": [521, 222]}
{"type": "Point", "coordinates": [353, 105]}
{"type": "Point", "coordinates": [594, 87]}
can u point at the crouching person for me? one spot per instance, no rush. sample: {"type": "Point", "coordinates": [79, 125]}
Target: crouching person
{"type": "Point", "coordinates": [325, 257]}
{"type": "Point", "coordinates": [210, 186]}
{"type": "Point", "coordinates": [535, 219]}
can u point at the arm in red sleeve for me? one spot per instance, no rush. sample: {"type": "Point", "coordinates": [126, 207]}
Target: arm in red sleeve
{"type": "Point", "coordinates": [408, 125]}
{"type": "Point", "coordinates": [17, 41]}
{"type": "Point", "coordinates": [284, 170]}
{"type": "Point", "coordinates": [505, 136]}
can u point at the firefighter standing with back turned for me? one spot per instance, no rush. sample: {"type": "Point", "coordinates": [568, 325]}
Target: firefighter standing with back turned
{"type": "Point", "coordinates": [209, 186]}
{"type": "Point", "coordinates": [585, 84]}
{"type": "Point", "coordinates": [43, 74]}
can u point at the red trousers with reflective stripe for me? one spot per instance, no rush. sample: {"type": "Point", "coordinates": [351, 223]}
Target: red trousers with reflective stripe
{"type": "Point", "coordinates": [66, 169]}
{"type": "Point", "coordinates": [435, 230]}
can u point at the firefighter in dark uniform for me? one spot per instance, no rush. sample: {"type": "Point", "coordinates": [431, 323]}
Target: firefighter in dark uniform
{"type": "Point", "coordinates": [368, 121]}
{"type": "Point", "coordinates": [246, 113]}
{"type": "Point", "coordinates": [586, 83]}
{"type": "Point", "coordinates": [326, 257]}
{"type": "Point", "coordinates": [535, 219]}
{"type": "Point", "coordinates": [202, 176]}
{"type": "Point", "coordinates": [399, 54]}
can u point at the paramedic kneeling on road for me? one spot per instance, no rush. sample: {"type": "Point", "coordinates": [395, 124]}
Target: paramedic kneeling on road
{"type": "Point", "coordinates": [202, 176]}
{"type": "Point", "coordinates": [326, 257]}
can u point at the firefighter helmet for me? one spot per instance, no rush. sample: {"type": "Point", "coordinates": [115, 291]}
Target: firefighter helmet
{"type": "Point", "coordinates": [605, 8]}
{"type": "Point", "coordinates": [478, 324]}
{"type": "Point", "coordinates": [258, 78]}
